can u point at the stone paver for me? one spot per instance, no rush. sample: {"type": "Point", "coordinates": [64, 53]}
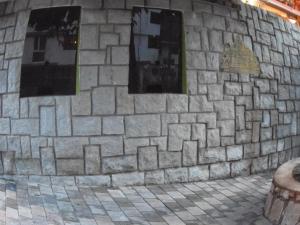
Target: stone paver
{"type": "Point", "coordinates": [238, 201]}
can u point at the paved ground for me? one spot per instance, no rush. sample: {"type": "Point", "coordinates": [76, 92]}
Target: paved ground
{"type": "Point", "coordinates": [228, 202]}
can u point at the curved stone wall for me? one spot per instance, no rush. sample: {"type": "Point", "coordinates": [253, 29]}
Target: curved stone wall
{"type": "Point", "coordinates": [228, 124]}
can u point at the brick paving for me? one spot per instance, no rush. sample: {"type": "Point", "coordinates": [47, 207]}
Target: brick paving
{"type": "Point", "coordinates": [237, 201]}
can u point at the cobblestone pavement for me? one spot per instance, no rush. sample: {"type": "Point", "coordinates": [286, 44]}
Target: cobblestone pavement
{"type": "Point", "coordinates": [236, 201]}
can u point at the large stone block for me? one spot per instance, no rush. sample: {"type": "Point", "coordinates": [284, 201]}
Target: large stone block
{"type": "Point", "coordinates": [88, 77]}
{"type": "Point", "coordinates": [225, 110]}
{"type": "Point", "coordinates": [199, 103]}
{"type": "Point", "coordinates": [196, 60]}
{"type": "Point", "coordinates": [89, 57]}
{"type": "Point", "coordinates": [92, 160]}
{"type": "Point", "coordinates": [227, 127]}
{"type": "Point", "coordinates": [241, 168]}
{"type": "Point", "coordinates": [3, 81]}
{"type": "Point", "coordinates": [86, 126]}
{"type": "Point", "coordinates": [199, 134]}
{"type": "Point", "coordinates": [131, 144]}
{"type": "Point", "coordinates": [189, 153]}
{"type": "Point", "coordinates": [69, 147]}
{"type": "Point", "coordinates": [244, 136]}
{"type": "Point", "coordinates": [213, 137]}
{"type": "Point", "coordinates": [47, 121]}
{"type": "Point", "coordinates": [147, 158]}
{"type": "Point", "coordinates": [119, 16]}
{"type": "Point", "coordinates": [10, 105]}
{"type": "Point", "coordinates": [63, 116]}
{"type": "Point", "coordinates": [259, 164]}
{"type": "Point", "coordinates": [119, 164]}
{"type": "Point", "coordinates": [82, 104]}
{"type": "Point", "coordinates": [177, 134]}
{"type": "Point", "coordinates": [142, 125]}
{"type": "Point", "coordinates": [198, 173]}
{"type": "Point", "coordinates": [234, 152]}
{"type": "Point", "coordinates": [120, 55]}
{"type": "Point", "coordinates": [93, 181]}
{"type": "Point", "coordinates": [220, 170]}
{"type": "Point", "coordinates": [124, 179]}
{"type": "Point", "coordinates": [25, 127]}
{"type": "Point", "coordinates": [68, 167]}
{"type": "Point", "coordinates": [154, 177]}
{"type": "Point", "coordinates": [114, 75]}
{"type": "Point", "coordinates": [92, 16]}
{"type": "Point", "coordinates": [160, 142]}
{"type": "Point", "coordinates": [176, 175]}
{"type": "Point", "coordinates": [214, 22]}
{"type": "Point", "coordinates": [14, 50]}
{"type": "Point", "coordinates": [177, 103]}
{"type": "Point", "coordinates": [169, 159]}
{"type": "Point", "coordinates": [167, 119]}
{"type": "Point", "coordinates": [28, 167]}
{"type": "Point", "coordinates": [89, 36]}
{"type": "Point", "coordinates": [103, 100]}
{"type": "Point", "coordinates": [212, 155]}
{"type": "Point", "coordinates": [150, 103]}
{"type": "Point", "coordinates": [215, 92]}
{"type": "Point", "coordinates": [4, 126]}
{"type": "Point", "coordinates": [125, 102]}
{"type": "Point", "coordinates": [36, 144]}
{"type": "Point", "coordinates": [267, 101]}
{"type": "Point", "coordinates": [113, 125]}
{"type": "Point", "coordinates": [268, 147]}
{"type": "Point", "coordinates": [208, 118]}
{"type": "Point", "coordinates": [48, 161]}
{"type": "Point", "coordinates": [110, 145]}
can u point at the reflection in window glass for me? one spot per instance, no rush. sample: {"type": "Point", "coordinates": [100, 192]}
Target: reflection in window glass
{"type": "Point", "coordinates": [155, 51]}
{"type": "Point", "coordinates": [50, 52]}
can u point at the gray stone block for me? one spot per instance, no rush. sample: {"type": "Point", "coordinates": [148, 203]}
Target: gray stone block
{"type": "Point", "coordinates": [220, 170]}
{"type": "Point", "coordinates": [103, 100]}
{"type": "Point", "coordinates": [25, 127]}
{"type": "Point", "coordinates": [92, 160]}
{"type": "Point", "coordinates": [119, 164]}
{"type": "Point", "coordinates": [63, 116]}
{"type": "Point", "coordinates": [177, 134]}
{"type": "Point", "coordinates": [28, 167]}
{"type": "Point", "coordinates": [199, 134]}
{"type": "Point", "coordinates": [4, 126]}
{"type": "Point", "coordinates": [209, 118]}
{"type": "Point", "coordinates": [131, 144]}
{"type": "Point", "coordinates": [89, 36]}
{"type": "Point", "coordinates": [169, 159]}
{"type": "Point", "coordinates": [214, 22]}
{"type": "Point", "coordinates": [125, 102]}
{"type": "Point", "coordinates": [110, 145]}
{"type": "Point", "coordinates": [88, 77]}
{"type": "Point", "coordinates": [199, 103]}
{"type": "Point", "coordinates": [68, 167]}
{"type": "Point", "coordinates": [86, 126]}
{"type": "Point", "coordinates": [176, 175]}
{"type": "Point", "coordinates": [196, 60]}
{"type": "Point", "coordinates": [167, 119]}
{"type": "Point", "coordinates": [227, 127]}
{"type": "Point", "coordinates": [92, 16]}
{"type": "Point", "coordinates": [8, 162]}
{"type": "Point", "coordinates": [215, 92]}
{"type": "Point", "coordinates": [142, 125]}
{"type": "Point", "coordinates": [198, 173]}
{"type": "Point", "coordinates": [10, 105]}
{"type": "Point", "coordinates": [119, 16]}
{"type": "Point", "coordinates": [47, 121]}
{"type": "Point", "coordinates": [125, 179]}
{"type": "Point", "coordinates": [113, 125]}
{"type": "Point", "coordinates": [225, 110]}
{"type": "Point", "coordinates": [103, 181]}
{"type": "Point", "coordinates": [177, 103]}
{"type": "Point", "coordinates": [14, 50]}
{"type": "Point", "coordinates": [213, 137]}
{"type": "Point", "coordinates": [259, 164]}
{"type": "Point", "coordinates": [212, 155]}
{"type": "Point", "coordinates": [120, 55]}
{"type": "Point", "coordinates": [234, 152]}
{"type": "Point", "coordinates": [268, 147]}
{"type": "Point", "coordinates": [147, 158]}
{"type": "Point", "coordinates": [154, 177]}
{"type": "Point", "coordinates": [189, 153]}
{"type": "Point", "coordinates": [114, 75]}
{"type": "Point", "coordinates": [69, 147]}
{"type": "Point", "coordinates": [3, 81]}
{"type": "Point", "coordinates": [160, 142]}
{"type": "Point", "coordinates": [241, 168]}
{"type": "Point", "coordinates": [48, 161]}
{"type": "Point", "coordinates": [244, 136]}
{"type": "Point", "coordinates": [82, 104]}
{"type": "Point", "coordinates": [150, 103]}
{"type": "Point", "coordinates": [92, 57]}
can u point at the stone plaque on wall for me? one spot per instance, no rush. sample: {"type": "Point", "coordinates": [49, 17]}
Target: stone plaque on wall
{"type": "Point", "coordinates": [239, 59]}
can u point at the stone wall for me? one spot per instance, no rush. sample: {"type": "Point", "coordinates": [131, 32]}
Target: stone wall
{"type": "Point", "coordinates": [228, 124]}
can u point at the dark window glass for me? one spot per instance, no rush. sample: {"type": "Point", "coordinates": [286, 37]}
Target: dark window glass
{"type": "Point", "coordinates": [155, 17]}
{"type": "Point", "coordinates": [155, 51]}
{"type": "Point", "coordinates": [50, 53]}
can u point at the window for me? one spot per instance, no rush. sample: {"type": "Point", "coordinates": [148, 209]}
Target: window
{"type": "Point", "coordinates": [49, 64]}
{"type": "Point", "coordinates": [156, 51]}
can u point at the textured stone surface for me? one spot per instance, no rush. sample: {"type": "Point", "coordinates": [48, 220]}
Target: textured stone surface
{"type": "Point", "coordinates": [147, 158]}
{"type": "Point", "coordinates": [139, 126]}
